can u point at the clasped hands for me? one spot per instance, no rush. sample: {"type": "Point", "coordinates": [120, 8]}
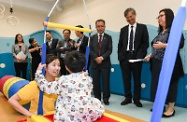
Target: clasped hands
{"type": "Point", "coordinates": [99, 60]}
{"type": "Point", "coordinates": [20, 59]}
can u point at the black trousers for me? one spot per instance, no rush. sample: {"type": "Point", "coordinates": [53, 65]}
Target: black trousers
{"type": "Point", "coordinates": [35, 64]}
{"type": "Point", "coordinates": [21, 68]}
{"type": "Point", "coordinates": [156, 66]}
{"type": "Point", "coordinates": [97, 74]}
{"type": "Point", "coordinates": [128, 70]}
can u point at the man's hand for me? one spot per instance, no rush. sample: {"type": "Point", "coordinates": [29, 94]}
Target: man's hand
{"type": "Point", "coordinates": [77, 45]}
{"type": "Point", "coordinates": [99, 60]}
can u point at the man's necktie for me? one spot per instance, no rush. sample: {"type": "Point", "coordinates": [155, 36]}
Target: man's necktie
{"type": "Point", "coordinates": [131, 39]}
{"type": "Point", "coordinates": [100, 43]}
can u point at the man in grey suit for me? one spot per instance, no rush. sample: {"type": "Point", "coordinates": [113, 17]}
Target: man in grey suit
{"type": "Point", "coordinates": [100, 50]}
{"type": "Point", "coordinates": [65, 45]}
{"type": "Point", "coordinates": [133, 44]}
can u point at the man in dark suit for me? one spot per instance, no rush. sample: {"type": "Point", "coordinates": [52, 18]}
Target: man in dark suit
{"type": "Point", "coordinates": [82, 43]}
{"type": "Point", "coordinates": [133, 44]}
{"type": "Point", "coordinates": [100, 50]}
{"type": "Point", "coordinates": [51, 44]}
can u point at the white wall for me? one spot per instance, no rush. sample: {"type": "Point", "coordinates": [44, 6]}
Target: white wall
{"type": "Point", "coordinates": [29, 22]}
{"type": "Point", "coordinates": [73, 13]}
{"type": "Point", "coordinates": [112, 12]}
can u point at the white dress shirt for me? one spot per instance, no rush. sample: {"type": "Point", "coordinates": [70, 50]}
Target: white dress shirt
{"type": "Point", "coordinates": [134, 31]}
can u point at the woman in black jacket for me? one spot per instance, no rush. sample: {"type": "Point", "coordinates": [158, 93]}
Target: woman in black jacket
{"type": "Point", "coordinates": [159, 45]}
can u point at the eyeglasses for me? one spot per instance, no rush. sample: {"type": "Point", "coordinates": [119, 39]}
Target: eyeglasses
{"type": "Point", "coordinates": [160, 16]}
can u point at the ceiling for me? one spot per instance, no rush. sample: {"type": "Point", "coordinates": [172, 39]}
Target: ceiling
{"type": "Point", "coordinates": [42, 6]}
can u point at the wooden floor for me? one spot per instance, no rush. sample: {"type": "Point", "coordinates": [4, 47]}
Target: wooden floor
{"type": "Point", "coordinates": [8, 114]}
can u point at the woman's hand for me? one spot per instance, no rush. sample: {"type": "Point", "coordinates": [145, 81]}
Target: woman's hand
{"type": "Point", "coordinates": [147, 58]}
{"type": "Point", "coordinates": [20, 60]}
{"type": "Point", "coordinates": [14, 101]}
{"type": "Point", "coordinates": [159, 45]}
{"type": "Point", "coordinates": [41, 66]}
{"type": "Point", "coordinates": [37, 48]}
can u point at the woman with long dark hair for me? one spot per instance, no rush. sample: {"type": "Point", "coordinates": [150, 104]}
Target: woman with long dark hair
{"type": "Point", "coordinates": [159, 45]}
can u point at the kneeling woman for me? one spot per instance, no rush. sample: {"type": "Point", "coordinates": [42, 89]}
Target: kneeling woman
{"type": "Point", "coordinates": [31, 91]}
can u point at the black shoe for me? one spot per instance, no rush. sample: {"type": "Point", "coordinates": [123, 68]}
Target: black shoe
{"type": "Point", "coordinates": [167, 116]}
{"type": "Point", "coordinates": [137, 103]}
{"type": "Point", "coordinates": [126, 101]}
{"type": "Point", "coordinates": [106, 102]}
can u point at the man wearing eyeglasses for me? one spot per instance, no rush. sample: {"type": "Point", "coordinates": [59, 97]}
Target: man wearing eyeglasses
{"type": "Point", "coordinates": [133, 44]}
{"type": "Point", "coordinates": [100, 50]}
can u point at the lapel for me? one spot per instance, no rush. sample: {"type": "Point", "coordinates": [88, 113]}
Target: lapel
{"type": "Point", "coordinates": [136, 36]}
{"type": "Point", "coordinates": [104, 40]}
{"type": "Point", "coordinates": [95, 38]}
{"type": "Point", "coordinates": [78, 41]}
{"type": "Point", "coordinates": [85, 40]}
{"type": "Point", "coordinates": [126, 35]}
{"type": "Point", "coordinates": [52, 43]}
{"type": "Point", "coordinates": [17, 47]}
{"type": "Point", "coordinates": [82, 40]}
{"type": "Point", "coordinates": [47, 43]}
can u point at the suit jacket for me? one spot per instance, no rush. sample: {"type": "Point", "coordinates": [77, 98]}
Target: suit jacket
{"type": "Point", "coordinates": [141, 42]}
{"type": "Point", "coordinates": [52, 49]}
{"type": "Point", "coordinates": [65, 49]}
{"type": "Point", "coordinates": [83, 45]}
{"type": "Point", "coordinates": [106, 50]}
